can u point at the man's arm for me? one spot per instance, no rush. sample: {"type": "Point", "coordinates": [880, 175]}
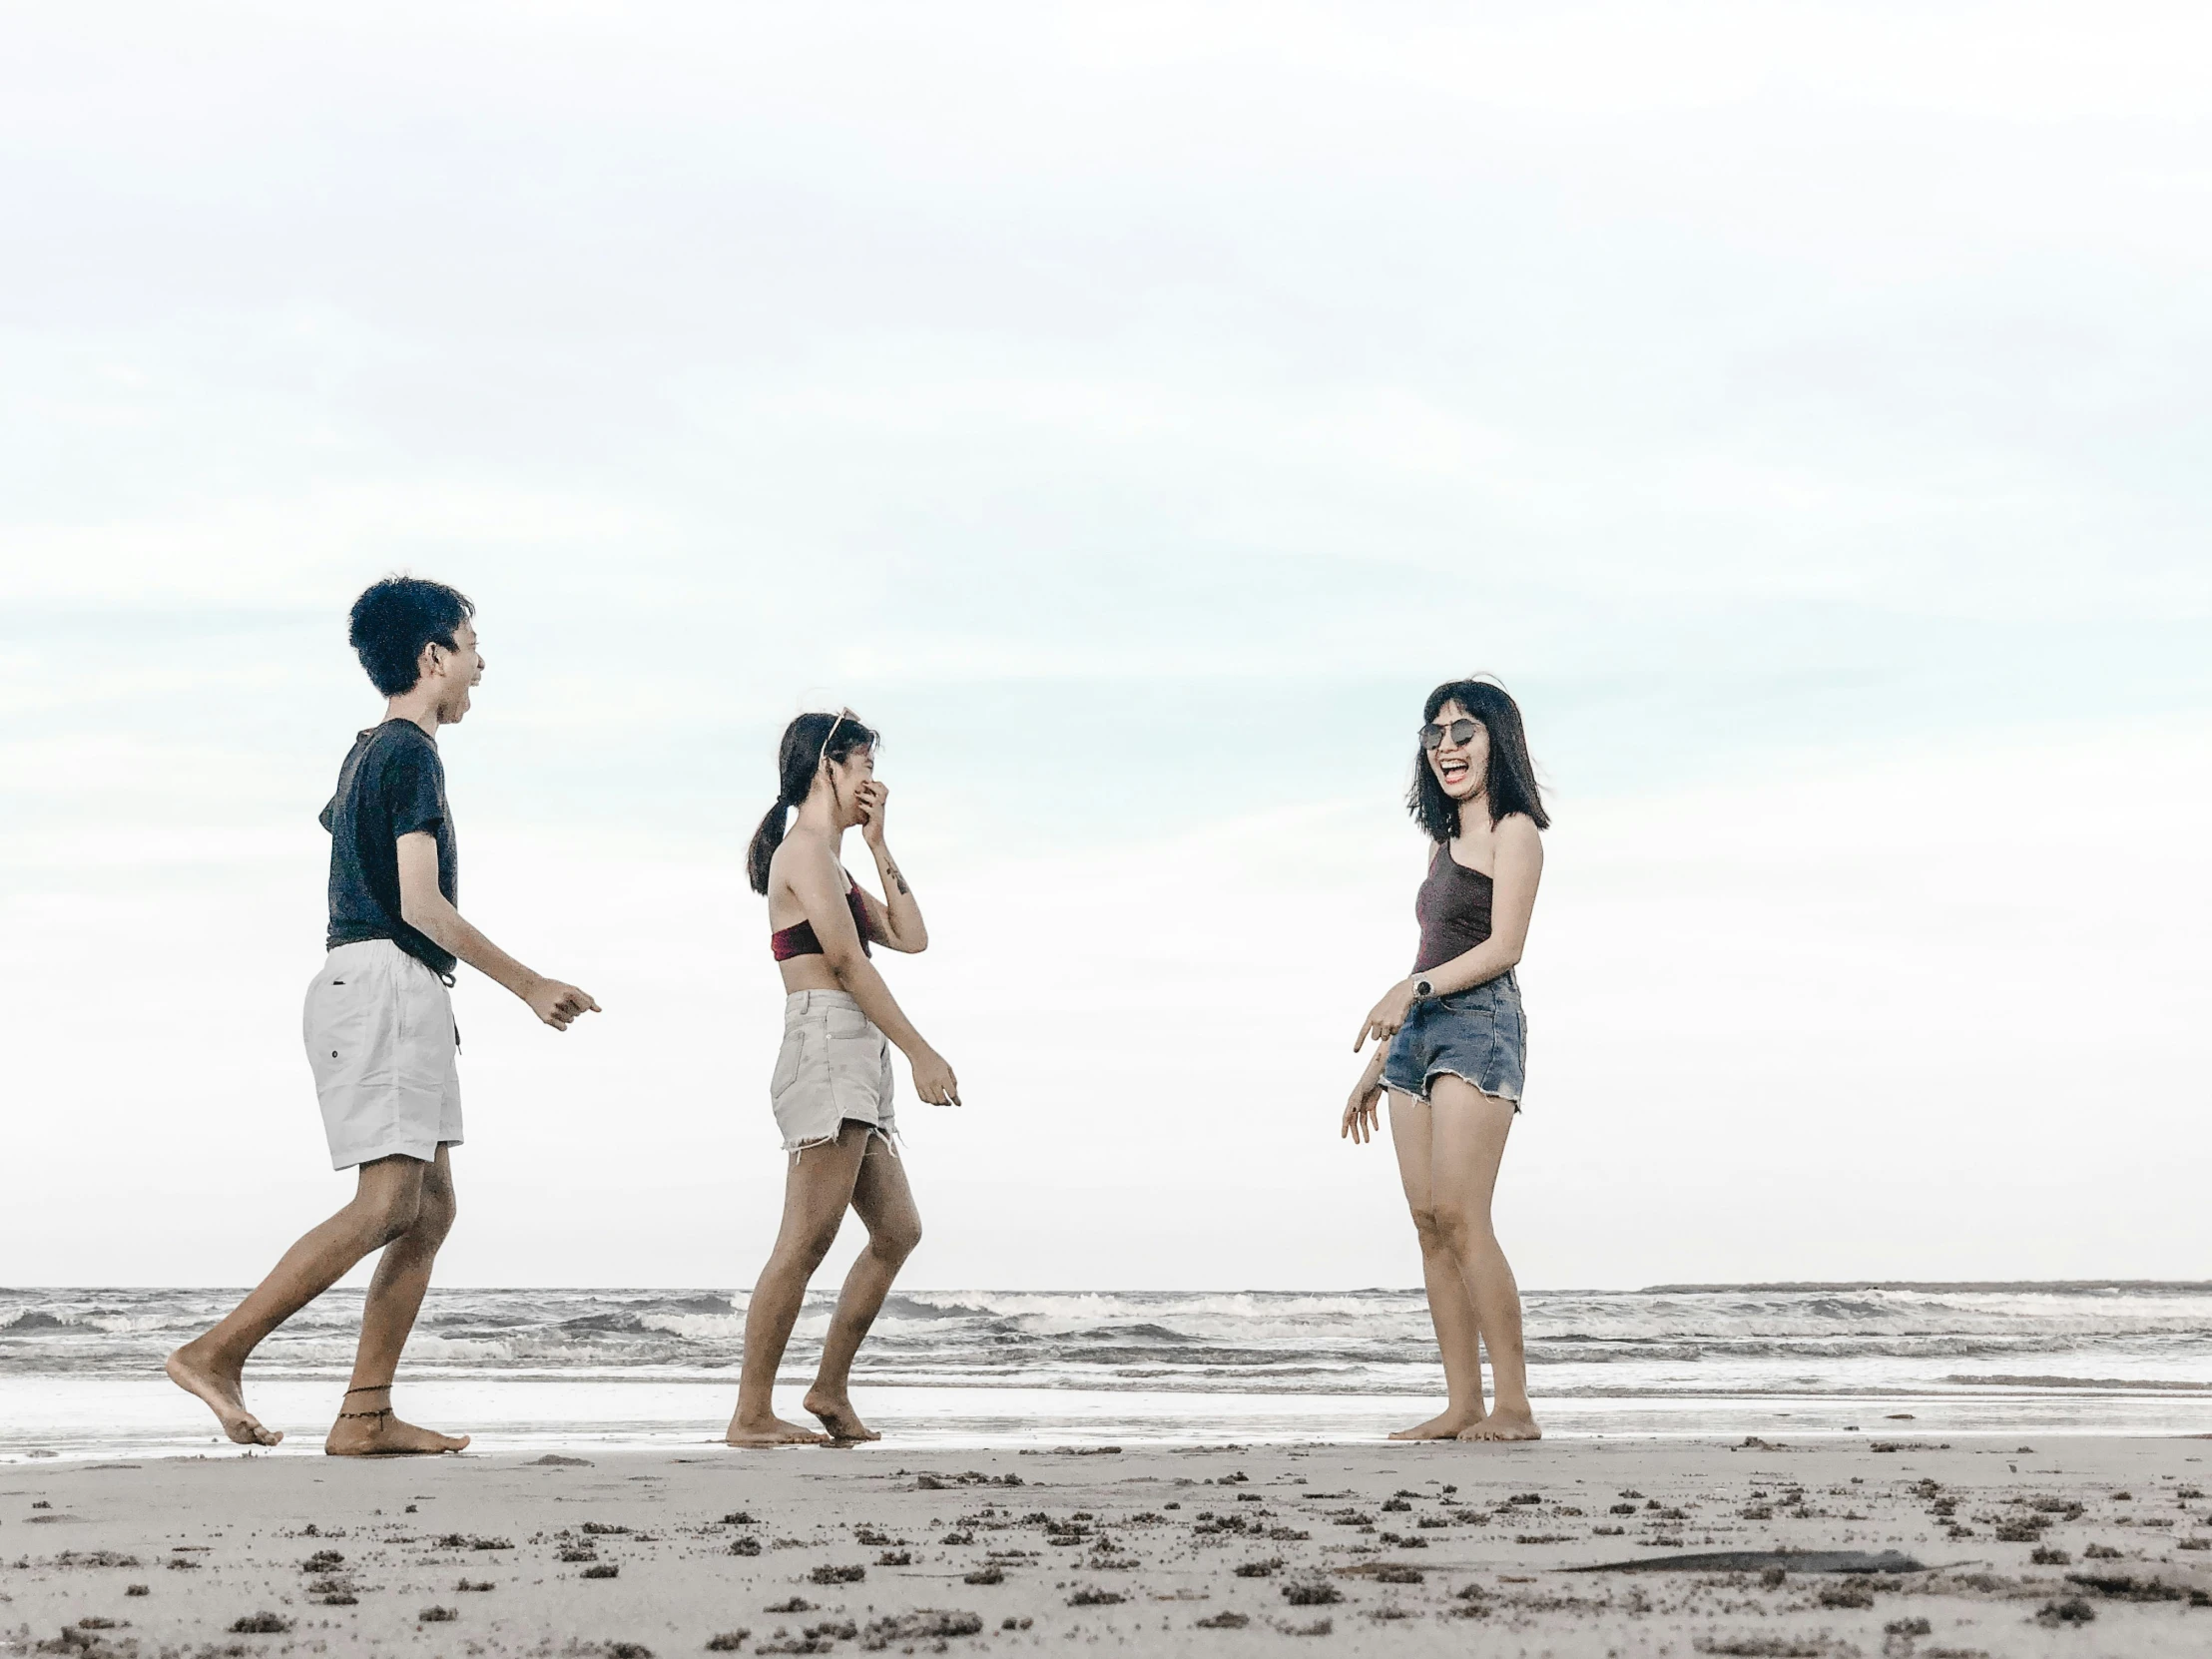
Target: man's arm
{"type": "Point", "coordinates": [424, 908]}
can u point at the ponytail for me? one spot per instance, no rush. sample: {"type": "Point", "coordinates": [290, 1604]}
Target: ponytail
{"type": "Point", "coordinates": [766, 840]}
{"type": "Point", "coordinates": [808, 742]}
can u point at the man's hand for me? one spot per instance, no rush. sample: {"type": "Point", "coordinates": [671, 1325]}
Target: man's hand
{"type": "Point", "coordinates": [871, 798]}
{"type": "Point", "coordinates": [934, 1082]}
{"type": "Point", "coordinates": [557, 1004]}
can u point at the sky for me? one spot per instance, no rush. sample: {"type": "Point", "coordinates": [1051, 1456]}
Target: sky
{"type": "Point", "coordinates": [1132, 411]}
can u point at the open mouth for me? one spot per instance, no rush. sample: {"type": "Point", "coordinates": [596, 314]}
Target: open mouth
{"type": "Point", "coordinates": [1452, 772]}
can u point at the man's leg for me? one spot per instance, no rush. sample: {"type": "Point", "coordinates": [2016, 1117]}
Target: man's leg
{"type": "Point", "coordinates": [386, 1199]}
{"type": "Point", "coordinates": [885, 1205]}
{"type": "Point", "coordinates": [366, 1426]}
{"type": "Point", "coordinates": [817, 1190]}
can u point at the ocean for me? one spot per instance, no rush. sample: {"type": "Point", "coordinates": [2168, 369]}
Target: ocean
{"type": "Point", "coordinates": [80, 1369]}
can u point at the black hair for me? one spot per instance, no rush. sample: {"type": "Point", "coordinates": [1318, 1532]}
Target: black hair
{"type": "Point", "coordinates": [1510, 785]}
{"type": "Point", "coordinates": [808, 740]}
{"type": "Point", "coordinates": [394, 620]}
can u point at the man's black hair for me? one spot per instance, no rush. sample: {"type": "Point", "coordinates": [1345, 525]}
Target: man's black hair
{"type": "Point", "coordinates": [395, 619]}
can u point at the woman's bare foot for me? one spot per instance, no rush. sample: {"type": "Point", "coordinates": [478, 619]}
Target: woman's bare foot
{"type": "Point", "coordinates": [1444, 1426]}
{"type": "Point", "coordinates": [1515, 1422]}
{"type": "Point", "coordinates": [771, 1432]}
{"type": "Point", "coordinates": [837, 1415]}
{"type": "Point", "coordinates": [224, 1390]}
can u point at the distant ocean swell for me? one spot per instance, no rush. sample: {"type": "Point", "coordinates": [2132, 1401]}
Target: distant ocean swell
{"type": "Point", "coordinates": [1704, 1340]}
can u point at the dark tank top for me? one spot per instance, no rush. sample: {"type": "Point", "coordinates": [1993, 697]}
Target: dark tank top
{"type": "Point", "coordinates": [1454, 908]}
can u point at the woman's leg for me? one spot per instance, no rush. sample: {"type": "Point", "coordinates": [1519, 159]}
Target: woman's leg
{"type": "Point", "coordinates": [885, 1205]}
{"type": "Point", "coordinates": [816, 1188]}
{"type": "Point", "coordinates": [1450, 1310]}
{"type": "Point", "coordinates": [1467, 1136]}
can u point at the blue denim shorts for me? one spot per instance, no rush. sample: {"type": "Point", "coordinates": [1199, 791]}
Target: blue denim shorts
{"type": "Point", "coordinates": [1477, 1034]}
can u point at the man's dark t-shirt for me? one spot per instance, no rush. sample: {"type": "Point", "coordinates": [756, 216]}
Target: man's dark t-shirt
{"type": "Point", "coordinates": [393, 785]}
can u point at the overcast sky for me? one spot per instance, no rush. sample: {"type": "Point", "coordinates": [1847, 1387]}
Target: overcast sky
{"type": "Point", "coordinates": [1132, 411]}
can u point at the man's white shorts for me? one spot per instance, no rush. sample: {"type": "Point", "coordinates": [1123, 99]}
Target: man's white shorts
{"type": "Point", "coordinates": [380, 1031]}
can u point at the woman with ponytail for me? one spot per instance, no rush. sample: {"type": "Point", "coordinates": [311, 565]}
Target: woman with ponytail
{"type": "Point", "coordinates": [832, 1089]}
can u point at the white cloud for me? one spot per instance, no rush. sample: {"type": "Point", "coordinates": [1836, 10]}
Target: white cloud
{"type": "Point", "coordinates": [1134, 408]}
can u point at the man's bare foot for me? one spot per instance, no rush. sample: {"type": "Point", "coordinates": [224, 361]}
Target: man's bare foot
{"type": "Point", "coordinates": [224, 1390]}
{"type": "Point", "coordinates": [1444, 1426]}
{"type": "Point", "coordinates": [771, 1432]}
{"type": "Point", "coordinates": [383, 1433]}
{"type": "Point", "coordinates": [837, 1415]}
{"type": "Point", "coordinates": [1515, 1422]}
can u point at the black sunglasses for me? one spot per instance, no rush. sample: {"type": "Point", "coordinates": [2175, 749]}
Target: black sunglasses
{"type": "Point", "coordinates": [1462, 732]}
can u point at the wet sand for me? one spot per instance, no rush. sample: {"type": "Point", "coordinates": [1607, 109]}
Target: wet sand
{"type": "Point", "coordinates": [2078, 1546]}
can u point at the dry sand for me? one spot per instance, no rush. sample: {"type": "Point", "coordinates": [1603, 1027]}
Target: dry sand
{"type": "Point", "coordinates": [2077, 1548]}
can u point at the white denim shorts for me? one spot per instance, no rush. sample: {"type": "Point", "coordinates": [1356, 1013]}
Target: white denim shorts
{"type": "Point", "coordinates": [835, 1066]}
{"type": "Point", "coordinates": [378, 1026]}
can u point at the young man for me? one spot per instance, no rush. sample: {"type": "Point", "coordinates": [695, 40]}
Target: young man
{"type": "Point", "coordinates": [379, 1026]}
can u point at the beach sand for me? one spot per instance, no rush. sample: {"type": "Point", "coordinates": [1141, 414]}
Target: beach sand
{"type": "Point", "coordinates": [2079, 1546]}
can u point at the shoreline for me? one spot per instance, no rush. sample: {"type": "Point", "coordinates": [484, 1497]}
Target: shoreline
{"type": "Point", "coordinates": [44, 1416]}
{"type": "Point", "coordinates": [1400, 1548]}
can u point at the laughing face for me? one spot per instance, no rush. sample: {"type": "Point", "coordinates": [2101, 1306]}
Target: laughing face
{"type": "Point", "coordinates": [848, 778]}
{"type": "Point", "coordinates": [1461, 767]}
{"type": "Point", "coordinates": [460, 669]}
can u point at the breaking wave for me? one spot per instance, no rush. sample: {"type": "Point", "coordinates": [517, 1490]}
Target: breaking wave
{"type": "Point", "coordinates": [1717, 1340]}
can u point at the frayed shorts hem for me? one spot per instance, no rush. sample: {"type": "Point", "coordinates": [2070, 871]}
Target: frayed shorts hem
{"type": "Point", "coordinates": [889, 1136]}
{"type": "Point", "coordinates": [1425, 1094]}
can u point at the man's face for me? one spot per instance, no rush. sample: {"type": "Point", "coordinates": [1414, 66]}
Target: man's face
{"type": "Point", "coordinates": [457, 671]}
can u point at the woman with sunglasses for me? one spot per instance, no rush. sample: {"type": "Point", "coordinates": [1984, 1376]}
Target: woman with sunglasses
{"type": "Point", "coordinates": [832, 1088]}
{"type": "Point", "coordinates": [1450, 1043]}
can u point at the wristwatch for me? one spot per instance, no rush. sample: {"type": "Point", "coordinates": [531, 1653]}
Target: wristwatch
{"type": "Point", "coordinates": [1422, 987]}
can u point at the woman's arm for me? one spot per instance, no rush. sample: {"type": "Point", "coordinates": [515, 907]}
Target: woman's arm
{"type": "Point", "coordinates": [1520, 865]}
{"type": "Point", "coordinates": [1359, 1111]}
{"type": "Point", "coordinates": [817, 880]}
{"type": "Point", "coordinates": [895, 920]}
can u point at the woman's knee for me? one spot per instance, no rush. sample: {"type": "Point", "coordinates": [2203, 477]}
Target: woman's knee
{"type": "Point", "coordinates": [896, 1237]}
{"type": "Point", "coordinates": [807, 1246]}
{"type": "Point", "coordinates": [1449, 1227]}
{"type": "Point", "coordinates": [1429, 1225]}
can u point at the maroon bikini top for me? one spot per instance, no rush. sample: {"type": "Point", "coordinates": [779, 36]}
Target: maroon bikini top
{"type": "Point", "coordinates": [798, 938]}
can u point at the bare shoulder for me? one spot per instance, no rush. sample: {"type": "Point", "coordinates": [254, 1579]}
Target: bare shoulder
{"type": "Point", "coordinates": [1517, 833]}
{"type": "Point", "coordinates": [804, 856]}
